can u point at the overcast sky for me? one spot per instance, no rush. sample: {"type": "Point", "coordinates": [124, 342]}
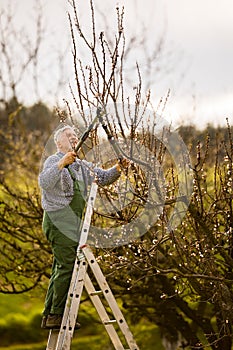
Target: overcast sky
{"type": "Point", "coordinates": [196, 60]}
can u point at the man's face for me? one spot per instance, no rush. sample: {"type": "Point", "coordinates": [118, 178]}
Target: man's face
{"type": "Point", "coordinates": [67, 140]}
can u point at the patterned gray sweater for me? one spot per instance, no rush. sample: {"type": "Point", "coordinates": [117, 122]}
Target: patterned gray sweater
{"type": "Point", "coordinates": [57, 185]}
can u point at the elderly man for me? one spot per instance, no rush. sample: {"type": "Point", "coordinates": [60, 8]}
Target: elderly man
{"type": "Point", "coordinates": [63, 181]}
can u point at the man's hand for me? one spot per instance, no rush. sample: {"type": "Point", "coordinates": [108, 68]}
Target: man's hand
{"type": "Point", "coordinates": [67, 159]}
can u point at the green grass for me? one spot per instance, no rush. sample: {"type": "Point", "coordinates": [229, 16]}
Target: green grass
{"type": "Point", "coordinates": [20, 327]}
{"type": "Point", "coordinates": [147, 339]}
{"type": "Point", "coordinates": [26, 347]}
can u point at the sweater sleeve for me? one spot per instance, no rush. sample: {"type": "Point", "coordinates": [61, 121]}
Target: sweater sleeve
{"type": "Point", "coordinates": [106, 177]}
{"type": "Point", "coordinates": [50, 174]}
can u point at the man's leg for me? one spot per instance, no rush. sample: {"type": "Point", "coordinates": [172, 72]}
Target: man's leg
{"type": "Point", "coordinates": [64, 250]}
{"type": "Point", "coordinates": [49, 294]}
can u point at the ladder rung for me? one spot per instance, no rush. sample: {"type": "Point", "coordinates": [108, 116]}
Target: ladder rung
{"type": "Point", "coordinates": [96, 292]}
{"type": "Point", "coordinates": [109, 322]}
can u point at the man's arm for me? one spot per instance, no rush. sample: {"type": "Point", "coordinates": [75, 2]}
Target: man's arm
{"type": "Point", "coordinates": [54, 168]}
{"type": "Point", "coordinates": [107, 177]}
{"type": "Point", "coordinates": [104, 177]}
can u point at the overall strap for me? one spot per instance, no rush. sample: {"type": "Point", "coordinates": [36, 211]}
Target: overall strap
{"type": "Point", "coordinates": [76, 182]}
{"type": "Point", "coordinates": [71, 174]}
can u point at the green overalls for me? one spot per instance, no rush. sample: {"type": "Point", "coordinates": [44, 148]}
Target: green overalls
{"type": "Point", "coordinates": [62, 229]}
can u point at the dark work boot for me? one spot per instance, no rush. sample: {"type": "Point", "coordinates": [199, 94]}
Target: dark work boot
{"type": "Point", "coordinates": [54, 322]}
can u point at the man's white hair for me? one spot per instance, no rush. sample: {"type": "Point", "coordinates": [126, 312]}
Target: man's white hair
{"type": "Point", "coordinates": [60, 131]}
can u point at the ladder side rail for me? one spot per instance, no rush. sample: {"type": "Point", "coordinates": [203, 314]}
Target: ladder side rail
{"type": "Point", "coordinates": [103, 314]}
{"type": "Point", "coordinates": [52, 339]}
{"type": "Point", "coordinates": [88, 215]}
{"type": "Point", "coordinates": [76, 279]}
{"type": "Point", "coordinates": [56, 336]}
{"type": "Point", "coordinates": [101, 280]}
{"type": "Point", "coordinates": [71, 310]}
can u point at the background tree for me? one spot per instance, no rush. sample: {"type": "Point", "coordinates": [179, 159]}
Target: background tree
{"type": "Point", "coordinates": [184, 282]}
{"type": "Point", "coordinates": [23, 262]}
{"type": "Point", "coordinates": [175, 273]}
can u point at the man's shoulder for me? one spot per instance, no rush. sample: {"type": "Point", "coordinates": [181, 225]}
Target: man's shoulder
{"type": "Point", "coordinates": [54, 158]}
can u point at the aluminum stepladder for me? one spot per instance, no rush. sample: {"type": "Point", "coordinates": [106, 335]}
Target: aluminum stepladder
{"type": "Point", "coordinates": [61, 339]}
